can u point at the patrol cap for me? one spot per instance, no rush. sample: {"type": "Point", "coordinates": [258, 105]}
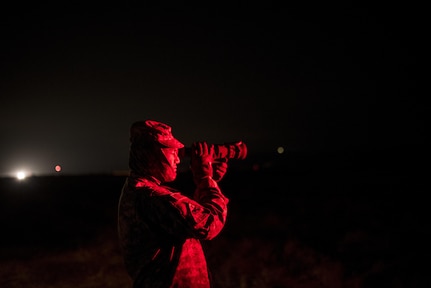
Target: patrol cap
{"type": "Point", "coordinates": [150, 130]}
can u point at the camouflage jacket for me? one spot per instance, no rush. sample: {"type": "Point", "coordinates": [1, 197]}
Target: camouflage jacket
{"type": "Point", "coordinates": [160, 231]}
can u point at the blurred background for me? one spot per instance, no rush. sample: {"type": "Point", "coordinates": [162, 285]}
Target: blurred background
{"type": "Point", "coordinates": [293, 222]}
{"type": "Point", "coordinates": [328, 98]}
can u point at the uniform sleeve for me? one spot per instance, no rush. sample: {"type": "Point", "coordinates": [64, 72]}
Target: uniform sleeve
{"type": "Point", "coordinates": [180, 216]}
{"type": "Point", "coordinates": [210, 196]}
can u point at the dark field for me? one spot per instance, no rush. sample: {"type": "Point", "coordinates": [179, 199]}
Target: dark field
{"type": "Point", "coordinates": [300, 224]}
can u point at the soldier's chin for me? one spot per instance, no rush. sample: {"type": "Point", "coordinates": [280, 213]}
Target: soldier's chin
{"type": "Point", "coordinates": [169, 177]}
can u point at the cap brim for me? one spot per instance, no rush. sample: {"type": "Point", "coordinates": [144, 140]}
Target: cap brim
{"type": "Point", "coordinates": [171, 143]}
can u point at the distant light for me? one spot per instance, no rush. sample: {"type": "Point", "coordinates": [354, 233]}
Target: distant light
{"type": "Point", "coordinates": [20, 175]}
{"type": "Point", "coordinates": [57, 168]}
{"type": "Point", "coordinates": [280, 150]}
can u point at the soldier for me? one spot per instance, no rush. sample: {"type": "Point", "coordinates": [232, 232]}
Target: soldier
{"type": "Point", "coordinates": [159, 228]}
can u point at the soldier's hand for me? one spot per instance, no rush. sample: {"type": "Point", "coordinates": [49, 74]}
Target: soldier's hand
{"type": "Point", "coordinates": [219, 169]}
{"type": "Point", "coordinates": [201, 161]}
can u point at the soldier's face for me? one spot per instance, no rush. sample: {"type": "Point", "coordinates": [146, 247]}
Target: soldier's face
{"type": "Point", "coordinates": [170, 170]}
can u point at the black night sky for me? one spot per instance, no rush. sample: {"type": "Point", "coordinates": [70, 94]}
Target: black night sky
{"type": "Point", "coordinates": [307, 78]}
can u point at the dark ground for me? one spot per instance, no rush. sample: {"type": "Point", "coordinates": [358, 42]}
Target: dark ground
{"type": "Point", "coordinates": [315, 221]}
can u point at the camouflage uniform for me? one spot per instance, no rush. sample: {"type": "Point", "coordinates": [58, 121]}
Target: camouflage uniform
{"type": "Point", "coordinates": [160, 231]}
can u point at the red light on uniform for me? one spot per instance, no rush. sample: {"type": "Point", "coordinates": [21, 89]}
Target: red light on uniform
{"type": "Point", "coordinates": [57, 168]}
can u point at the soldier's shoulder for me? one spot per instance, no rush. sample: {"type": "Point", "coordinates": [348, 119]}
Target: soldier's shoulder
{"type": "Point", "coordinates": [153, 189]}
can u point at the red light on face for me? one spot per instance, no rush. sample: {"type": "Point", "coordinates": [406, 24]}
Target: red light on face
{"type": "Point", "coordinates": [57, 168]}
